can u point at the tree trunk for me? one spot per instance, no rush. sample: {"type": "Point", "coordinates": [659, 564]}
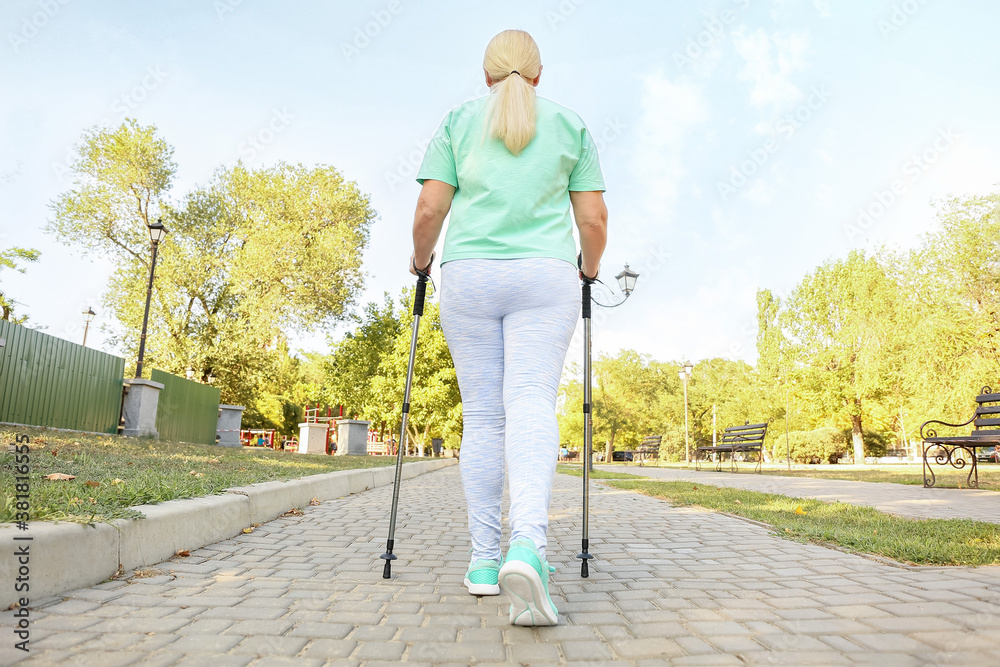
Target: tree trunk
{"type": "Point", "coordinates": [857, 438]}
{"type": "Point", "coordinates": [609, 447]}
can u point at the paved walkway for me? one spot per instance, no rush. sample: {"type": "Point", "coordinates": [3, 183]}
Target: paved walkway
{"type": "Point", "coordinates": [900, 499]}
{"type": "Point", "coordinates": [671, 585]}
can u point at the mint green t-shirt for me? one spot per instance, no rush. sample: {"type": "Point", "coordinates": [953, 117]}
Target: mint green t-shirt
{"type": "Point", "coordinates": [507, 206]}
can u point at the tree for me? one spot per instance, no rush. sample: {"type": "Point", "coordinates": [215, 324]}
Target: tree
{"type": "Point", "coordinates": [9, 259]}
{"type": "Point", "coordinates": [954, 282]}
{"type": "Point", "coordinates": [252, 257]}
{"type": "Point", "coordinates": [842, 322]}
{"type": "Point", "coordinates": [367, 371]}
{"type": "Point", "coordinates": [121, 177]}
{"type": "Point", "coordinates": [627, 398]}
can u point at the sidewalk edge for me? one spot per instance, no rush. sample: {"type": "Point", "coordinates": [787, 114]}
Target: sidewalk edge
{"type": "Point", "coordinates": [65, 556]}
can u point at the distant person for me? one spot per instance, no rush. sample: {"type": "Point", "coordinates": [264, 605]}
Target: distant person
{"type": "Point", "coordinates": [563, 454]}
{"type": "Point", "coordinates": [510, 166]}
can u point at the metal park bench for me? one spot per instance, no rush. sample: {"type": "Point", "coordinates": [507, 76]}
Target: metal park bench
{"type": "Point", "coordinates": [649, 449]}
{"type": "Point", "coordinates": [952, 450]}
{"type": "Point", "coordinates": [735, 440]}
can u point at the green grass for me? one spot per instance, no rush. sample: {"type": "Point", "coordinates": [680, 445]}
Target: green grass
{"type": "Point", "coordinates": [137, 471]}
{"type": "Point", "coordinates": [577, 471]}
{"type": "Point", "coordinates": [947, 477]}
{"type": "Point", "coordinates": [859, 529]}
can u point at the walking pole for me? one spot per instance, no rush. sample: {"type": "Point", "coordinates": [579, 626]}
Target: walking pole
{"type": "Point", "coordinates": [418, 311]}
{"type": "Point", "coordinates": [585, 555]}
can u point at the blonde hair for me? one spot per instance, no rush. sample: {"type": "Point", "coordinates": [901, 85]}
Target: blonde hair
{"type": "Point", "coordinates": [512, 62]}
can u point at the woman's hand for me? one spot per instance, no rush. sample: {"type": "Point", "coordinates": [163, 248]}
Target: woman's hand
{"type": "Point", "coordinates": [413, 265]}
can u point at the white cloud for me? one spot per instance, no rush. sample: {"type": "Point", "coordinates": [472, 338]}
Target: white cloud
{"type": "Point", "coordinates": [669, 111]}
{"type": "Point", "coordinates": [760, 192]}
{"type": "Point", "coordinates": [823, 7]}
{"type": "Point", "coordinates": [769, 63]}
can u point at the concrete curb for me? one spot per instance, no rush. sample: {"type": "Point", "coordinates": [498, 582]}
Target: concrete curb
{"type": "Point", "coordinates": [66, 556]}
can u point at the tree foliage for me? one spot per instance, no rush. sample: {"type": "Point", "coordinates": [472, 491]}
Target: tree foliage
{"type": "Point", "coordinates": [13, 258]}
{"type": "Point", "coordinates": [252, 257]}
{"type": "Point", "coordinates": [367, 372]}
{"type": "Point", "coordinates": [871, 345]}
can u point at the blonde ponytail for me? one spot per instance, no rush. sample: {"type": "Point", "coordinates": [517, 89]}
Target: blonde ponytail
{"type": "Point", "coordinates": [512, 62]}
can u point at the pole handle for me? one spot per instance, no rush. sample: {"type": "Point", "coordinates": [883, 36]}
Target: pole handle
{"type": "Point", "coordinates": [423, 275]}
{"type": "Point", "coordinates": [586, 299]}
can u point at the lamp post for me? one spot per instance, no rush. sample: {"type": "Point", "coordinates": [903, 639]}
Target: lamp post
{"type": "Point", "coordinates": [788, 447]}
{"type": "Point", "coordinates": [88, 317]}
{"type": "Point", "coordinates": [157, 232]}
{"type": "Point", "coordinates": [626, 281]}
{"type": "Point", "coordinates": [685, 375]}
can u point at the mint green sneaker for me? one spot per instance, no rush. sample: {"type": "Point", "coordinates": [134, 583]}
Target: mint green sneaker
{"type": "Point", "coordinates": [525, 578]}
{"type": "Point", "coordinates": [481, 579]}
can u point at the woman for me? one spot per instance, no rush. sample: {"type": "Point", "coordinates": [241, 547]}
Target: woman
{"type": "Point", "coordinates": [509, 166]}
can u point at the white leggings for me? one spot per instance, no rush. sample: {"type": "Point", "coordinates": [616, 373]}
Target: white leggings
{"type": "Point", "coordinates": [508, 324]}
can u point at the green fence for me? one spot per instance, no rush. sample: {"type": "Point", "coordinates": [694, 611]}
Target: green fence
{"type": "Point", "coordinates": [187, 411]}
{"type": "Point", "coordinates": [48, 381]}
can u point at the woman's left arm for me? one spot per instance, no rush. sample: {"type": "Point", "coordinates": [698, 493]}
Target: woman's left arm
{"type": "Point", "coordinates": [432, 208]}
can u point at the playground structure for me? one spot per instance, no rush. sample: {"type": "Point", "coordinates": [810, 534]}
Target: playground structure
{"type": "Point", "coordinates": [258, 437]}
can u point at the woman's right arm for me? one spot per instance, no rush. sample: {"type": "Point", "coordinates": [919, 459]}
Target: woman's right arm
{"type": "Point", "coordinates": [592, 221]}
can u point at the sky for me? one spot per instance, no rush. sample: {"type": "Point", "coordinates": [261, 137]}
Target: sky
{"type": "Point", "coordinates": [743, 142]}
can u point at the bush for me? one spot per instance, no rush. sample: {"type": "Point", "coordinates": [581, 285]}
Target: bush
{"type": "Point", "coordinates": [823, 444]}
{"type": "Point", "coordinates": [876, 442]}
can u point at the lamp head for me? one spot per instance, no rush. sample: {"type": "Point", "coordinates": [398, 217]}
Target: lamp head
{"type": "Point", "coordinates": [157, 231]}
{"type": "Point", "coordinates": [626, 280]}
{"type": "Point", "coordinates": [189, 373]}
{"type": "Point", "coordinates": [88, 315]}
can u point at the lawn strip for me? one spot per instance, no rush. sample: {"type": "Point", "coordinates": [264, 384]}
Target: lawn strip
{"type": "Point", "coordinates": [113, 473]}
{"type": "Point", "coordinates": [858, 529]}
{"type": "Point", "coordinates": [947, 477]}
{"type": "Point", "coordinates": [577, 471]}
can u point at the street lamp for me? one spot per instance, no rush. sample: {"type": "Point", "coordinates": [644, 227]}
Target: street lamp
{"type": "Point", "coordinates": [157, 232]}
{"type": "Point", "coordinates": [88, 317]}
{"type": "Point", "coordinates": [626, 280]}
{"type": "Point", "coordinates": [189, 373]}
{"type": "Point", "coordinates": [788, 447]}
{"type": "Point", "coordinates": [685, 375]}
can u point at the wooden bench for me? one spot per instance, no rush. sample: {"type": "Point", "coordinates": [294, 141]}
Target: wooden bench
{"type": "Point", "coordinates": [952, 450]}
{"type": "Point", "coordinates": [649, 449]}
{"type": "Point", "coordinates": [735, 440]}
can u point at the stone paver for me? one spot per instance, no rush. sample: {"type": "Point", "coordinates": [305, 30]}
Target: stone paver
{"type": "Point", "coordinates": [669, 585]}
{"type": "Point", "coordinates": [900, 499]}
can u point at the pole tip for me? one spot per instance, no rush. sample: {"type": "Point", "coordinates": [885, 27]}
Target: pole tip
{"type": "Point", "coordinates": [387, 570]}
